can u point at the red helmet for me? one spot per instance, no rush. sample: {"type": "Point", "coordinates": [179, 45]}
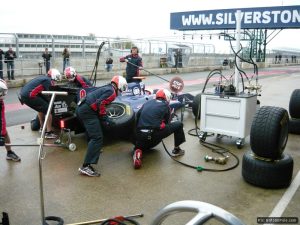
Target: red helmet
{"type": "Point", "coordinates": [163, 94]}
{"type": "Point", "coordinates": [3, 88]}
{"type": "Point", "coordinates": [120, 82]}
{"type": "Point", "coordinates": [70, 73]}
{"type": "Point", "coordinates": [54, 74]}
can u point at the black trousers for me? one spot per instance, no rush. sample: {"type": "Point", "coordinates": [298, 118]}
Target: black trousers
{"type": "Point", "coordinates": [147, 140]}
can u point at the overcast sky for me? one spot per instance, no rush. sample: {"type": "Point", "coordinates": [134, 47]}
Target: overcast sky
{"type": "Point", "coordinates": [118, 18]}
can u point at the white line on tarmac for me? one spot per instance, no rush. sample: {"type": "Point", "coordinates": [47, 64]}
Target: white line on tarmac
{"type": "Point", "coordinates": [286, 198]}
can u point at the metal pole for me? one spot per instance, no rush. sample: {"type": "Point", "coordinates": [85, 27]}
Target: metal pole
{"type": "Point", "coordinates": [41, 153]}
{"type": "Point", "coordinates": [237, 46]}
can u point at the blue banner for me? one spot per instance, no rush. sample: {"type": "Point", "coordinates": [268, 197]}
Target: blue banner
{"type": "Point", "coordinates": [251, 18]}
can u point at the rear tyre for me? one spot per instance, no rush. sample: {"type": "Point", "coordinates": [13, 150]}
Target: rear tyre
{"type": "Point", "coordinates": [269, 132]}
{"type": "Point", "coordinates": [294, 126]}
{"type": "Point", "coordinates": [267, 173]}
{"type": "Point", "coordinates": [196, 106]}
{"type": "Point", "coordinates": [35, 124]}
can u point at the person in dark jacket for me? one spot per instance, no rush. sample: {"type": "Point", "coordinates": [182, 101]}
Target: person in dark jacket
{"type": "Point", "coordinates": [91, 111]}
{"type": "Point", "coordinates": [79, 81]}
{"type": "Point", "coordinates": [4, 137]}
{"type": "Point", "coordinates": [153, 125]}
{"type": "Point", "coordinates": [31, 95]}
{"type": "Point", "coordinates": [47, 56]}
{"type": "Point", "coordinates": [134, 64]}
{"type": "Point", "coordinates": [10, 56]}
{"type": "Point", "coordinates": [66, 58]}
{"type": "Point", "coordinates": [1, 63]}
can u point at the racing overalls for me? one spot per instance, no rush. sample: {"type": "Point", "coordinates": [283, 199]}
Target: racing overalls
{"type": "Point", "coordinates": [153, 125]}
{"type": "Point", "coordinates": [31, 93]}
{"type": "Point", "coordinates": [131, 70]}
{"type": "Point", "coordinates": [2, 119]}
{"type": "Point", "coordinates": [81, 81]}
{"type": "Point", "coordinates": [91, 111]}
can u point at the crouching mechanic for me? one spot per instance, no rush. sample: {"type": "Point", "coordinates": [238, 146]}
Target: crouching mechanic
{"type": "Point", "coordinates": [31, 95]}
{"type": "Point", "coordinates": [4, 137]}
{"type": "Point", "coordinates": [79, 81]}
{"type": "Point", "coordinates": [92, 112]}
{"type": "Point", "coordinates": [153, 125]}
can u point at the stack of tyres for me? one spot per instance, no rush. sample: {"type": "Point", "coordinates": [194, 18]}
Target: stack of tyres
{"type": "Point", "coordinates": [294, 109]}
{"type": "Point", "coordinates": [266, 165]}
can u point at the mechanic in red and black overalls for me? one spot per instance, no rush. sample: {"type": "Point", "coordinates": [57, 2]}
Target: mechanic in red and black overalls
{"type": "Point", "coordinates": [133, 70]}
{"type": "Point", "coordinates": [31, 95]}
{"type": "Point", "coordinates": [153, 125]}
{"type": "Point", "coordinates": [79, 81]}
{"type": "Point", "coordinates": [91, 111]}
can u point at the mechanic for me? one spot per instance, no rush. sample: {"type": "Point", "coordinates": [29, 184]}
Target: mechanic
{"type": "Point", "coordinates": [72, 76]}
{"type": "Point", "coordinates": [133, 70]}
{"type": "Point", "coordinates": [31, 95]}
{"type": "Point", "coordinates": [4, 137]}
{"type": "Point", "coordinates": [91, 111]}
{"type": "Point", "coordinates": [153, 124]}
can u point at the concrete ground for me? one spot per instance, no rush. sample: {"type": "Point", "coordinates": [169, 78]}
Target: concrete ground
{"type": "Point", "coordinates": [121, 190]}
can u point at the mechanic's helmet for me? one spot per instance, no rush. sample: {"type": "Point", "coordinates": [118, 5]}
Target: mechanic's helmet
{"type": "Point", "coordinates": [3, 88]}
{"type": "Point", "coordinates": [163, 94]}
{"type": "Point", "coordinates": [70, 73]}
{"type": "Point", "coordinates": [120, 82]}
{"type": "Point", "coordinates": [54, 74]}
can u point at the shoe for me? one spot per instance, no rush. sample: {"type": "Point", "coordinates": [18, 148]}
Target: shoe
{"type": "Point", "coordinates": [13, 156]}
{"type": "Point", "coordinates": [89, 171]}
{"type": "Point", "coordinates": [40, 131]}
{"type": "Point", "coordinates": [50, 135]}
{"type": "Point", "coordinates": [177, 152]}
{"type": "Point", "coordinates": [137, 159]}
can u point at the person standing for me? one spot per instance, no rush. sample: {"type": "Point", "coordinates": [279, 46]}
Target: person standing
{"type": "Point", "coordinates": [153, 124]}
{"type": "Point", "coordinates": [4, 137]}
{"type": "Point", "coordinates": [1, 63]}
{"type": "Point", "coordinates": [134, 64]}
{"type": "Point", "coordinates": [108, 64]}
{"type": "Point", "coordinates": [66, 58]}
{"type": "Point", "coordinates": [47, 56]}
{"type": "Point", "coordinates": [10, 56]}
{"type": "Point", "coordinates": [91, 111]}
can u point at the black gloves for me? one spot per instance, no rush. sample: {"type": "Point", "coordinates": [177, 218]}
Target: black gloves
{"type": "Point", "coordinates": [2, 141]}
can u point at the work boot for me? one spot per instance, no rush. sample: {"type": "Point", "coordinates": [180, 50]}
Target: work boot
{"type": "Point", "coordinates": [137, 158]}
{"type": "Point", "coordinates": [177, 152]}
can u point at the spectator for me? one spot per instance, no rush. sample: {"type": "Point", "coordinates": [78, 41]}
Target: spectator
{"type": "Point", "coordinates": [46, 56]}
{"type": "Point", "coordinates": [108, 64]}
{"type": "Point", "coordinates": [79, 81]}
{"type": "Point", "coordinates": [153, 124]}
{"type": "Point", "coordinates": [134, 64]}
{"type": "Point", "coordinates": [89, 110]}
{"type": "Point", "coordinates": [276, 59]}
{"type": "Point", "coordinates": [10, 56]}
{"type": "Point", "coordinates": [31, 95]}
{"type": "Point", "coordinates": [4, 137]}
{"type": "Point", "coordinates": [66, 58]}
{"type": "Point", "coordinates": [1, 63]}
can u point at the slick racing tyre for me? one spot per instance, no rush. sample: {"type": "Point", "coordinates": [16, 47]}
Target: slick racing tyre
{"type": "Point", "coordinates": [121, 113]}
{"type": "Point", "coordinates": [196, 106]}
{"type": "Point", "coordinates": [267, 173]}
{"type": "Point", "coordinates": [294, 126]}
{"type": "Point", "coordinates": [294, 105]}
{"type": "Point", "coordinates": [35, 124]}
{"type": "Point", "coordinates": [269, 132]}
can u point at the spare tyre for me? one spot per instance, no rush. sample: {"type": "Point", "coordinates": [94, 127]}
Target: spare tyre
{"type": "Point", "coordinates": [294, 126]}
{"type": "Point", "coordinates": [267, 173]}
{"type": "Point", "coordinates": [294, 105]}
{"type": "Point", "coordinates": [269, 132]}
{"type": "Point", "coordinates": [196, 106]}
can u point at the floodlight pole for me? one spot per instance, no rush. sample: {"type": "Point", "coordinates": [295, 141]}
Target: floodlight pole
{"type": "Point", "coordinates": [237, 46]}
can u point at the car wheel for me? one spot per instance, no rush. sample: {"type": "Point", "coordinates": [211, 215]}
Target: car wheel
{"type": "Point", "coordinates": [267, 173]}
{"type": "Point", "coordinates": [294, 105]}
{"type": "Point", "coordinates": [35, 124]}
{"type": "Point", "coordinates": [269, 132]}
{"type": "Point", "coordinates": [196, 106]}
{"type": "Point", "coordinates": [294, 126]}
